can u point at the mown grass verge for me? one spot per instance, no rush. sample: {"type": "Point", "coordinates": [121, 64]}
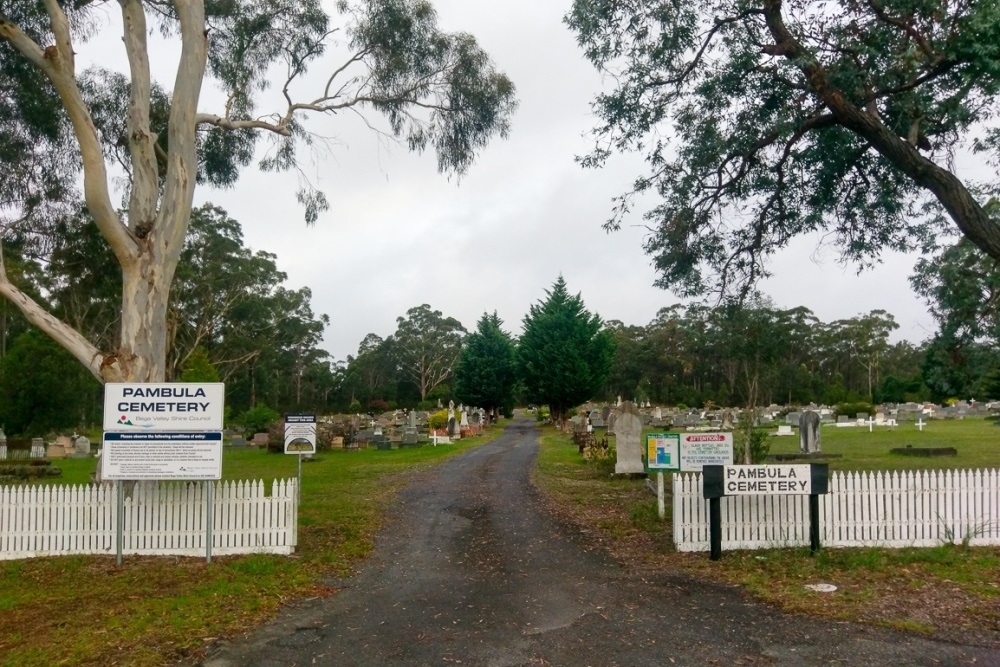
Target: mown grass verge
{"type": "Point", "coordinates": [159, 610]}
{"type": "Point", "coordinates": [949, 591]}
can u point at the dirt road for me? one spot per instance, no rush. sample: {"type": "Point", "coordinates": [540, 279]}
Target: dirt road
{"type": "Point", "coordinates": [473, 572]}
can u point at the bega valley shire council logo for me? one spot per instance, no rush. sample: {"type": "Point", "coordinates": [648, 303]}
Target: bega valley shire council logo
{"type": "Point", "coordinates": [125, 421]}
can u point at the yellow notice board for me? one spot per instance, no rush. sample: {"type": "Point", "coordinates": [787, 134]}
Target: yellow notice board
{"type": "Point", "coordinates": [663, 452]}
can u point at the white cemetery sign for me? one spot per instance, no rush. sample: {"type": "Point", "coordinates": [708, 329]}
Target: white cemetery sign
{"type": "Point", "coordinates": [705, 449]}
{"type": "Point", "coordinates": [751, 480]}
{"type": "Point", "coordinates": [161, 456]}
{"type": "Point", "coordinates": [300, 433]}
{"type": "Point", "coordinates": [163, 406]}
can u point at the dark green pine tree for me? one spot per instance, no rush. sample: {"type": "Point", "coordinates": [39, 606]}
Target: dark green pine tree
{"type": "Point", "coordinates": [565, 354]}
{"type": "Point", "coordinates": [487, 370]}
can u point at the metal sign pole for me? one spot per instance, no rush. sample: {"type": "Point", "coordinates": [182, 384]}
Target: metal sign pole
{"type": "Point", "coordinates": [298, 487]}
{"type": "Point", "coordinates": [120, 521]}
{"type": "Point", "coordinates": [209, 519]}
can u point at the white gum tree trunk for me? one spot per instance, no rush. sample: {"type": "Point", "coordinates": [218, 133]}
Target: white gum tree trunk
{"type": "Point", "coordinates": [147, 244]}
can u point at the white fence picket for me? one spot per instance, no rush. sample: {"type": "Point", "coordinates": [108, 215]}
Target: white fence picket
{"type": "Point", "coordinates": [886, 509]}
{"type": "Point", "coordinates": [160, 519]}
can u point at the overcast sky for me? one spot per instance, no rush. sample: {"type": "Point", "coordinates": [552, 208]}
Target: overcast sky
{"type": "Point", "coordinates": [399, 234]}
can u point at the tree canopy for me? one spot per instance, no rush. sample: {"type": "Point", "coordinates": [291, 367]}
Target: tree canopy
{"type": "Point", "coordinates": [564, 353]}
{"type": "Point", "coordinates": [487, 372]}
{"type": "Point", "coordinates": [389, 58]}
{"type": "Point", "coordinates": [763, 121]}
{"type": "Point", "coordinates": [427, 345]}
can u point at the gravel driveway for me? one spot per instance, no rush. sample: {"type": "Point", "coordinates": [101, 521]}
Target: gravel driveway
{"type": "Point", "coordinates": [472, 571]}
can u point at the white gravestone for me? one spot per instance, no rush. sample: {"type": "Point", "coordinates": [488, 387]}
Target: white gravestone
{"type": "Point", "coordinates": [628, 436]}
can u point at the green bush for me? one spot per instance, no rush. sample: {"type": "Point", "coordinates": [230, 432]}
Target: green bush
{"type": "Point", "coordinates": [257, 419]}
{"type": "Point", "coordinates": [438, 419]}
{"type": "Point", "coordinates": [851, 409]}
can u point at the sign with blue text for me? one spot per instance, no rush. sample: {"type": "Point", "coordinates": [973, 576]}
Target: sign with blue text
{"type": "Point", "coordinates": [163, 406]}
{"type": "Point", "coordinates": [161, 456]}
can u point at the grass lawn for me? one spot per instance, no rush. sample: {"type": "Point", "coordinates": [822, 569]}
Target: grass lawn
{"type": "Point", "coordinates": [157, 610]}
{"type": "Point", "coordinates": [977, 442]}
{"type": "Point", "coordinates": [949, 591]}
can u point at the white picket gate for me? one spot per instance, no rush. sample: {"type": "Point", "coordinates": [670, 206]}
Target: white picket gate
{"type": "Point", "coordinates": [166, 518]}
{"type": "Point", "coordinates": [876, 509]}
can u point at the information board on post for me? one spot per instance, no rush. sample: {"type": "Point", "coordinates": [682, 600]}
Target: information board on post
{"type": "Point", "coordinates": [698, 450]}
{"type": "Point", "coordinates": [162, 456]}
{"type": "Point", "coordinates": [164, 406]}
{"type": "Point", "coordinates": [300, 433]}
{"type": "Point", "coordinates": [662, 452]}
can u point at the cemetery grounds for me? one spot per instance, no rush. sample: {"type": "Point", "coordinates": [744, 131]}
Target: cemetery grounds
{"type": "Point", "coordinates": [84, 610]}
{"type": "Point", "coordinates": [951, 592]}
{"type": "Point", "coordinates": [154, 611]}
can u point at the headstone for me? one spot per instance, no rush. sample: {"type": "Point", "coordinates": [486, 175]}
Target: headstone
{"type": "Point", "coordinates": [657, 413]}
{"type": "Point", "coordinates": [55, 452]}
{"type": "Point", "coordinates": [784, 429]}
{"type": "Point", "coordinates": [842, 419]}
{"type": "Point", "coordinates": [612, 418]}
{"type": "Point", "coordinates": [453, 427]}
{"type": "Point", "coordinates": [238, 441]}
{"type": "Point", "coordinates": [464, 422]}
{"type": "Point", "coordinates": [260, 439]}
{"type": "Point", "coordinates": [411, 419]}
{"type": "Point", "coordinates": [628, 433]}
{"type": "Point", "coordinates": [861, 416]}
{"type": "Point", "coordinates": [66, 443]}
{"type": "Point", "coordinates": [606, 414]}
{"type": "Point", "coordinates": [809, 432]}
{"type": "Point", "coordinates": [476, 419]}
{"type": "Point", "coordinates": [410, 437]}
{"type": "Point", "coordinates": [82, 446]}
{"type": "Point", "coordinates": [727, 420]}
{"type": "Point", "coordinates": [793, 418]}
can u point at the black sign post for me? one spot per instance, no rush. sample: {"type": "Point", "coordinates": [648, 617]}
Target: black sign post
{"type": "Point", "coordinates": [720, 481]}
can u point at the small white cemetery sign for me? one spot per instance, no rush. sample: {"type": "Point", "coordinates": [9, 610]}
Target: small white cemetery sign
{"type": "Point", "coordinates": [752, 480]}
{"type": "Point", "coordinates": [300, 433]}
{"type": "Point", "coordinates": [705, 449]}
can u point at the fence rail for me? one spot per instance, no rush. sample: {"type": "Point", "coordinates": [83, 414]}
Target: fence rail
{"type": "Point", "coordinates": [160, 519]}
{"type": "Point", "coordinates": [884, 509]}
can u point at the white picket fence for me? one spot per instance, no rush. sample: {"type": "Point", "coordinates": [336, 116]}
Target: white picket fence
{"type": "Point", "coordinates": [874, 509]}
{"type": "Point", "coordinates": [166, 518]}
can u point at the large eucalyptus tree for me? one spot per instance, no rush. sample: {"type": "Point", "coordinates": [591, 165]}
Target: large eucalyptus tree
{"type": "Point", "coordinates": [762, 120]}
{"type": "Point", "coordinates": [436, 89]}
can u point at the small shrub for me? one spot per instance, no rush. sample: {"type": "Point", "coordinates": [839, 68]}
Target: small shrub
{"type": "Point", "coordinates": [438, 419]}
{"type": "Point", "coordinates": [257, 419]}
{"type": "Point", "coordinates": [851, 409]}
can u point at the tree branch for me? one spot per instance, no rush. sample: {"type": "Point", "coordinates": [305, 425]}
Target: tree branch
{"type": "Point", "coordinates": [230, 124]}
{"type": "Point", "coordinates": [51, 62]}
{"type": "Point", "coordinates": [59, 331]}
{"type": "Point", "coordinates": [182, 156]}
{"type": "Point", "coordinates": [142, 141]}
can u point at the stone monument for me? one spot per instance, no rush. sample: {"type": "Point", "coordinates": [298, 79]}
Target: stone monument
{"type": "Point", "coordinates": [809, 433]}
{"type": "Point", "coordinates": [628, 434]}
